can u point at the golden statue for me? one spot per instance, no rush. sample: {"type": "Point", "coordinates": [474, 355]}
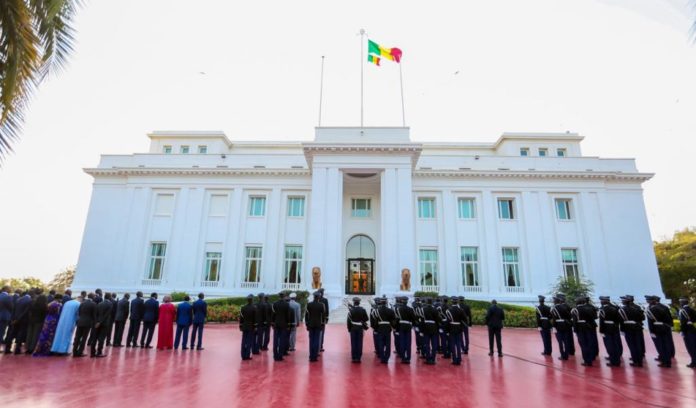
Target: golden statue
{"type": "Point", "coordinates": [405, 280]}
{"type": "Point", "coordinates": [316, 278]}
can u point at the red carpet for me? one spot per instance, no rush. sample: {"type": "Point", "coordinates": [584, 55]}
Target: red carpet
{"type": "Point", "coordinates": [217, 377]}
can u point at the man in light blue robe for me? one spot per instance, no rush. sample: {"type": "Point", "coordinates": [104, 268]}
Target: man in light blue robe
{"type": "Point", "coordinates": [66, 326]}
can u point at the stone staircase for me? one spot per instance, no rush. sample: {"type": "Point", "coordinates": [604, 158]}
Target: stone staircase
{"type": "Point", "coordinates": [339, 311]}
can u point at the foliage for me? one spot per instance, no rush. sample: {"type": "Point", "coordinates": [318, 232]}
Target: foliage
{"type": "Point", "coordinates": [573, 288]}
{"type": "Point", "coordinates": [36, 37]}
{"type": "Point", "coordinates": [421, 294]}
{"type": "Point", "coordinates": [223, 313]}
{"type": "Point", "coordinates": [302, 298]}
{"type": "Point", "coordinates": [178, 296]}
{"type": "Point", "coordinates": [676, 261]}
{"type": "Point", "coordinates": [62, 280]}
{"type": "Point", "coordinates": [25, 283]}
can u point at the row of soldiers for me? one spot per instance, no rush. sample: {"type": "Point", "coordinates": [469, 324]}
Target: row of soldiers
{"type": "Point", "coordinates": [627, 319]}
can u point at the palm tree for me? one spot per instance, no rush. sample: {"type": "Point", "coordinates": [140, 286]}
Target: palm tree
{"type": "Point", "coordinates": [36, 37]}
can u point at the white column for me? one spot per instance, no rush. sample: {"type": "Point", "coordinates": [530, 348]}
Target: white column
{"type": "Point", "coordinates": [388, 248]}
{"type": "Point", "coordinates": [493, 266]}
{"type": "Point", "coordinates": [449, 268]}
{"type": "Point", "coordinates": [535, 280]}
{"type": "Point", "coordinates": [234, 250]}
{"type": "Point", "coordinates": [332, 273]}
{"type": "Point", "coordinates": [183, 268]}
{"type": "Point", "coordinates": [271, 263]}
{"type": "Point", "coordinates": [406, 227]}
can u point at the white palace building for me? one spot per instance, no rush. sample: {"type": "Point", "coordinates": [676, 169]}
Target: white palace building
{"type": "Point", "coordinates": [501, 220]}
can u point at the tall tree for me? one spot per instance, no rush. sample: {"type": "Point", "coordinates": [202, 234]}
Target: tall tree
{"type": "Point", "coordinates": [36, 37]}
{"type": "Point", "coordinates": [676, 260]}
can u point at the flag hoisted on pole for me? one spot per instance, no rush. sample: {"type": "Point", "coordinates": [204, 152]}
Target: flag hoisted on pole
{"type": "Point", "coordinates": [375, 54]}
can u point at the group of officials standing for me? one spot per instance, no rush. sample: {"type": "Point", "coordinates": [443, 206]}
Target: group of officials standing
{"type": "Point", "coordinates": [627, 319]}
{"type": "Point", "coordinates": [34, 323]}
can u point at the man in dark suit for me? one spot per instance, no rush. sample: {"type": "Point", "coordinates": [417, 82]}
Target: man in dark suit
{"type": "Point", "coordinates": [494, 320]}
{"type": "Point", "coordinates": [98, 296]}
{"type": "Point", "coordinates": [314, 320]}
{"type": "Point", "coordinates": [200, 312]}
{"type": "Point", "coordinates": [282, 316]}
{"type": "Point", "coordinates": [102, 323]}
{"type": "Point", "coordinates": [5, 311]}
{"type": "Point", "coordinates": [184, 318]}
{"type": "Point", "coordinates": [247, 324]}
{"type": "Point", "coordinates": [86, 316]}
{"type": "Point", "coordinates": [122, 308]}
{"type": "Point", "coordinates": [67, 296]}
{"type": "Point", "coordinates": [137, 308]}
{"type": "Point", "coordinates": [20, 321]}
{"type": "Point", "coordinates": [150, 318]}
{"type": "Point", "coordinates": [37, 315]}
{"type": "Point", "coordinates": [261, 323]}
{"type": "Point", "coordinates": [325, 301]}
{"type": "Point", "coordinates": [112, 319]}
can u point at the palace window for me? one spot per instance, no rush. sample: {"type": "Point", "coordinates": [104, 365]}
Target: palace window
{"type": "Point", "coordinates": [466, 208]}
{"type": "Point", "coordinates": [184, 150]}
{"type": "Point", "coordinates": [157, 253]}
{"type": "Point", "coordinates": [524, 151]}
{"type": "Point", "coordinates": [257, 206]}
{"type": "Point", "coordinates": [561, 152]}
{"type": "Point", "coordinates": [543, 152]}
{"type": "Point", "coordinates": [293, 264]}
{"type": "Point", "coordinates": [212, 266]}
{"type": "Point", "coordinates": [361, 207]}
{"type": "Point", "coordinates": [296, 206]}
{"type": "Point", "coordinates": [426, 207]}
{"type": "Point", "coordinates": [202, 149]}
{"type": "Point", "coordinates": [167, 149]}
{"type": "Point", "coordinates": [506, 208]}
{"type": "Point", "coordinates": [470, 266]}
{"type": "Point", "coordinates": [428, 267]}
{"type": "Point", "coordinates": [563, 209]}
{"type": "Point", "coordinates": [569, 257]}
{"type": "Point", "coordinates": [511, 267]}
{"type": "Point", "coordinates": [252, 269]}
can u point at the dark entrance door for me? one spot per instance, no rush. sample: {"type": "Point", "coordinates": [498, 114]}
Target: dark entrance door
{"type": "Point", "coordinates": [360, 276]}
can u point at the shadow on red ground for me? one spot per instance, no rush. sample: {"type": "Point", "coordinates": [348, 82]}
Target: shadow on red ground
{"type": "Point", "coordinates": [218, 377]}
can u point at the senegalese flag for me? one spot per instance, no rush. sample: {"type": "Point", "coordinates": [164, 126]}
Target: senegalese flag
{"type": "Point", "coordinates": [376, 52]}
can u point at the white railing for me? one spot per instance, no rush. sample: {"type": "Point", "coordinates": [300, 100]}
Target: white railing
{"type": "Point", "coordinates": [291, 286]}
{"type": "Point", "coordinates": [152, 282]}
{"type": "Point", "coordinates": [472, 289]}
{"type": "Point", "coordinates": [249, 285]}
{"type": "Point", "coordinates": [514, 289]}
{"type": "Point", "coordinates": [210, 284]}
{"type": "Point", "coordinates": [430, 288]}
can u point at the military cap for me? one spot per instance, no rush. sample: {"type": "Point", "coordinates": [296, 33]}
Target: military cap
{"type": "Point", "coordinates": [250, 296]}
{"type": "Point", "coordinates": [321, 290]}
{"type": "Point", "coordinates": [541, 297]}
{"type": "Point", "coordinates": [316, 293]}
{"type": "Point", "coordinates": [627, 297]}
{"type": "Point", "coordinates": [454, 299]}
{"type": "Point", "coordinates": [607, 298]}
{"type": "Point", "coordinates": [461, 298]}
{"type": "Point", "coordinates": [580, 299]}
{"type": "Point", "coordinates": [261, 295]}
{"type": "Point", "coordinates": [683, 300]}
{"type": "Point", "coordinates": [356, 300]}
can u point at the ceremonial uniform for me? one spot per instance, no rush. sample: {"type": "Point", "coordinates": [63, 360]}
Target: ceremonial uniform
{"type": "Point", "coordinates": [456, 321]}
{"type": "Point", "coordinates": [357, 324]}
{"type": "Point", "coordinates": [385, 318]}
{"type": "Point", "coordinates": [467, 323]}
{"type": "Point", "coordinates": [248, 326]}
{"type": "Point", "coordinates": [429, 330]}
{"type": "Point", "coordinates": [543, 317]}
{"type": "Point", "coordinates": [687, 322]}
{"type": "Point", "coordinates": [561, 321]}
{"type": "Point", "coordinates": [609, 327]}
{"type": "Point", "coordinates": [262, 319]}
{"type": "Point", "coordinates": [418, 312]}
{"type": "Point", "coordinates": [443, 330]}
{"type": "Point", "coordinates": [406, 317]}
{"type": "Point", "coordinates": [660, 326]}
{"type": "Point", "coordinates": [632, 318]}
{"type": "Point", "coordinates": [583, 319]}
{"type": "Point", "coordinates": [282, 316]}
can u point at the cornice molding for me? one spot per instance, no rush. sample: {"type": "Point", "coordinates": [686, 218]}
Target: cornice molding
{"type": "Point", "coordinates": [578, 175]}
{"type": "Point", "coordinates": [313, 148]}
{"type": "Point", "coordinates": [152, 171]}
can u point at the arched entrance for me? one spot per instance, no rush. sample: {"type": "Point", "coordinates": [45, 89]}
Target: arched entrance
{"type": "Point", "coordinates": [360, 277]}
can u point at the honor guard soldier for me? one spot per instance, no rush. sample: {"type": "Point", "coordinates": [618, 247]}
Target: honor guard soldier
{"type": "Point", "coordinates": [374, 323]}
{"type": "Point", "coordinates": [543, 317]}
{"type": "Point", "coordinates": [406, 318]}
{"type": "Point", "coordinates": [561, 321]}
{"type": "Point", "coordinates": [467, 323]}
{"type": "Point", "coordinates": [430, 331]}
{"type": "Point", "coordinates": [395, 325]}
{"type": "Point", "coordinates": [609, 328]}
{"type": "Point", "coordinates": [314, 320]}
{"type": "Point", "coordinates": [357, 324]}
{"type": "Point", "coordinates": [632, 318]}
{"type": "Point", "coordinates": [456, 321]}
{"type": "Point", "coordinates": [444, 328]}
{"type": "Point", "coordinates": [418, 311]}
{"type": "Point", "coordinates": [687, 322]}
{"type": "Point", "coordinates": [660, 326]}
{"type": "Point", "coordinates": [593, 339]}
{"type": "Point", "coordinates": [385, 318]}
{"type": "Point", "coordinates": [247, 324]}
{"type": "Point", "coordinates": [583, 317]}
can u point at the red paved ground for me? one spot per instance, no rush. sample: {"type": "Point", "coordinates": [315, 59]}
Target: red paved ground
{"type": "Point", "coordinates": [218, 377]}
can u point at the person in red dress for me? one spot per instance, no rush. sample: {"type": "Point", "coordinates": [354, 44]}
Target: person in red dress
{"type": "Point", "coordinates": [165, 332]}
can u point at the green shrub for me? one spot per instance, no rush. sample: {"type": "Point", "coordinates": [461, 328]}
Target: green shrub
{"type": "Point", "coordinates": [223, 313]}
{"type": "Point", "coordinates": [426, 294]}
{"type": "Point", "coordinates": [513, 318]}
{"type": "Point", "coordinates": [302, 298]}
{"type": "Point", "coordinates": [178, 296]}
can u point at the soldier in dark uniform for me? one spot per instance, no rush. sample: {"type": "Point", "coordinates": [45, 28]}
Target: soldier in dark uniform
{"type": "Point", "coordinates": [374, 323]}
{"type": "Point", "coordinates": [609, 327]}
{"type": "Point", "coordinates": [395, 325]}
{"type": "Point", "coordinates": [315, 319]}
{"type": "Point", "coordinates": [687, 323]}
{"type": "Point", "coordinates": [632, 318]}
{"type": "Point", "coordinates": [543, 317]}
{"type": "Point", "coordinates": [268, 313]}
{"type": "Point", "coordinates": [406, 318]}
{"type": "Point", "coordinates": [385, 318]}
{"type": "Point", "coordinates": [248, 325]}
{"type": "Point", "coordinates": [443, 329]}
{"type": "Point", "coordinates": [357, 324]}
{"type": "Point", "coordinates": [467, 323]}
{"type": "Point", "coordinates": [430, 331]}
{"type": "Point", "coordinates": [583, 316]}
{"type": "Point", "coordinates": [261, 324]}
{"type": "Point", "coordinates": [282, 316]}
{"type": "Point", "coordinates": [561, 321]}
{"type": "Point", "coordinates": [325, 302]}
{"type": "Point", "coordinates": [457, 320]}
{"type": "Point", "coordinates": [593, 339]}
{"type": "Point", "coordinates": [417, 310]}
{"type": "Point", "coordinates": [660, 326]}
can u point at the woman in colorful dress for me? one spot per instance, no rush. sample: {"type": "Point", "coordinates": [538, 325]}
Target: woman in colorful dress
{"type": "Point", "coordinates": [165, 332]}
{"type": "Point", "coordinates": [48, 332]}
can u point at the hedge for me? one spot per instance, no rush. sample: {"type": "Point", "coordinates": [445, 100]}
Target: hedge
{"type": "Point", "coordinates": [227, 309]}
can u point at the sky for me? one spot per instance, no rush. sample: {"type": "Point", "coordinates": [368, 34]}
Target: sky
{"type": "Point", "coordinates": [619, 72]}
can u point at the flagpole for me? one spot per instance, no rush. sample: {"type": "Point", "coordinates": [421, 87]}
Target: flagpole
{"type": "Point", "coordinates": [321, 88]}
{"type": "Point", "coordinates": [403, 110]}
{"type": "Point", "coordinates": [362, 66]}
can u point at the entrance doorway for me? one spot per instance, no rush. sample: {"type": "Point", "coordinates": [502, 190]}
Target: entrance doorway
{"type": "Point", "coordinates": [360, 266]}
